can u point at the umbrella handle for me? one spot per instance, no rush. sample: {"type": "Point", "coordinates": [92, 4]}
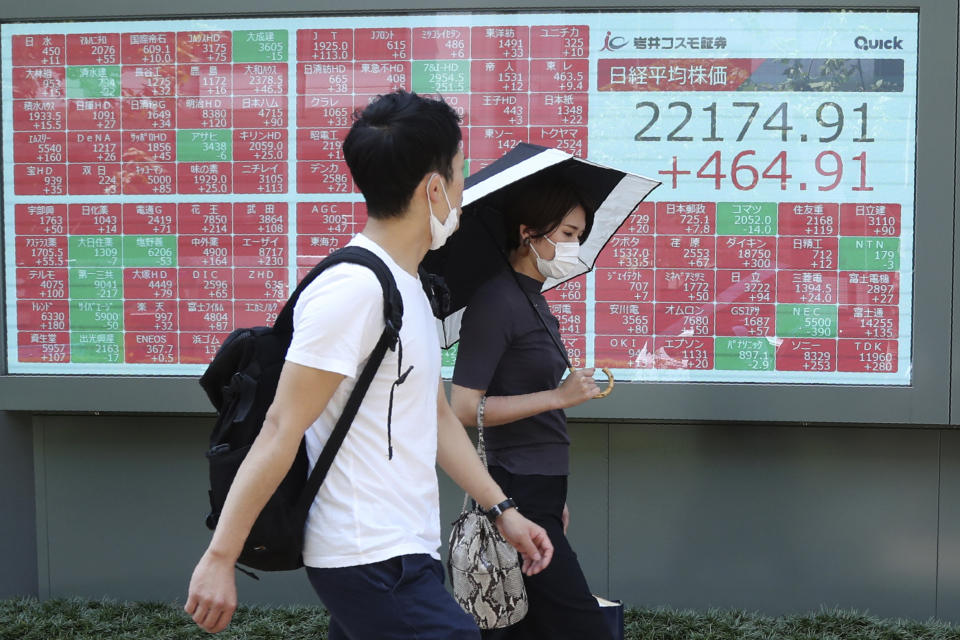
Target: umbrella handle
{"type": "Point", "coordinates": [610, 383]}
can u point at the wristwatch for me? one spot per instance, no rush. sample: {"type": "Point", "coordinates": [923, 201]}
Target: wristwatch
{"type": "Point", "coordinates": [497, 510]}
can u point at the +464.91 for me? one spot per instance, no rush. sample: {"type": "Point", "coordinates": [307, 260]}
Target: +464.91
{"type": "Point", "coordinates": [745, 169]}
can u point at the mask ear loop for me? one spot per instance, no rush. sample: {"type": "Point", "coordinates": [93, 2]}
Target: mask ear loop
{"type": "Point", "coordinates": [429, 182]}
{"type": "Point", "coordinates": [446, 196]}
{"type": "Point", "coordinates": [443, 188]}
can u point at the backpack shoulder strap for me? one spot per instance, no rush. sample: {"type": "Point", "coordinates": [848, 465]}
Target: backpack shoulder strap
{"type": "Point", "coordinates": [392, 302]}
{"type": "Point", "coordinates": [393, 320]}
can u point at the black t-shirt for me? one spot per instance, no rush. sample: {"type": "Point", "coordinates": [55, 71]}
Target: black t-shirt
{"type": "Point", "coordinates": [505, 349]}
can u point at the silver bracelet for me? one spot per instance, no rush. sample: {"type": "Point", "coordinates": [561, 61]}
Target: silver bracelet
{"type": "Point", "coordinates": [480, 408]}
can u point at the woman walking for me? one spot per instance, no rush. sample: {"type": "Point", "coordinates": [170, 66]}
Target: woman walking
{"type": "Point", "coordinates": [507, 378]}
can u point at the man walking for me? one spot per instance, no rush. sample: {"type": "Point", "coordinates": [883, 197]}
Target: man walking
{"type": "Point", "coordinates": [373, 532]}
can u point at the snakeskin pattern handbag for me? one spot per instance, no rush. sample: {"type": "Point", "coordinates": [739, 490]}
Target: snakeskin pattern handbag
{"type": "Point", "coordinates": [484, 569]}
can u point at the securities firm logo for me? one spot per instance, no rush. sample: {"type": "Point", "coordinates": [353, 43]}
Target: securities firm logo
{"type": "Point", "coordinates": [867, 44]}
{"type": "Point", "coordinates": [614, 43]}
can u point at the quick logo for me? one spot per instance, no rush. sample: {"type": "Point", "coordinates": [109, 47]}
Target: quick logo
{"type": "Point", "coordinates": [866, 44]}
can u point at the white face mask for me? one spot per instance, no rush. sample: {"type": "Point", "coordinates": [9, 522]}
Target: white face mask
{"type": "Point", "coordinates": [440, 231]}
{"type": "Point", "coordinates": [565, 262]}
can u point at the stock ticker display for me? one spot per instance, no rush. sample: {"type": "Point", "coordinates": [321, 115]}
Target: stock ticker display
{"type": "Point", "coordinates": [168, 181]}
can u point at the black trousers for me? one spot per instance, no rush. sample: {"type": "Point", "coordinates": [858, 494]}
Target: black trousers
{"type": "Point", "coordinates": [395, 599]}
{"type": "Point", "coordinates": [561, 606]}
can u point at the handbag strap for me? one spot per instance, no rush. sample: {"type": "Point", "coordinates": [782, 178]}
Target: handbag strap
{"type": "Point", "coordinates": [481, 446]}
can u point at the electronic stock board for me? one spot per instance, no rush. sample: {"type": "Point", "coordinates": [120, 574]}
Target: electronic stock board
{"type": "Point", "coordinates": [167, 181]}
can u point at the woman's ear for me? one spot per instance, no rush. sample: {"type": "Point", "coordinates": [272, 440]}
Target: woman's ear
{"type": "Point", "coordinates": [525, 233]}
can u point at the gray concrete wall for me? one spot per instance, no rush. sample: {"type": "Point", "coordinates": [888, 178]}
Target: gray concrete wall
{"type": "Point", "coordinates": [17, 520]}
{"type": "Point", "coordinates": [776, 519]}
{"type": "Point", "coordinates": [760, 517]}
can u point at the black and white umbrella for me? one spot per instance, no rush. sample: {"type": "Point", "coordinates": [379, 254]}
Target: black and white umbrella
{"type": "Point", "coordinates": [476, 251]}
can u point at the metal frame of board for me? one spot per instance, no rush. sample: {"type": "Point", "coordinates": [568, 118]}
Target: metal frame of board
{"type": "Point", "coordinates": [926, 402]}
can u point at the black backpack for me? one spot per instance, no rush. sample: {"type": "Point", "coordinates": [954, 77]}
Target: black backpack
{"type": "Point", "coordinates": [241, 381]}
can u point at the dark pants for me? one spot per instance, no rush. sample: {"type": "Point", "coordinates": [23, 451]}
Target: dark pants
{"type": "Point", "coordinates": [398, 599]}
{"type": "Point", "coordinates": [561, 605]}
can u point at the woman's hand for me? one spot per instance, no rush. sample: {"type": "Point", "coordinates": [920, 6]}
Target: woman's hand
{"type": "Point", "coordinates": [578, 388]}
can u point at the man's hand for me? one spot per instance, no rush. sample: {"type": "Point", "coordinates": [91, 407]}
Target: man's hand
{"type": "Point", "coordinates": [528, 538]}
{"type": "Point", "coordinates": [302, 395]}
{"type": "Point", "coordinates": [213, 593]}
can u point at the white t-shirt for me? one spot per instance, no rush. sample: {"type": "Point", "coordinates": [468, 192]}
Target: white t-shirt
{"type": "Point", "coordinates": [371, 508]}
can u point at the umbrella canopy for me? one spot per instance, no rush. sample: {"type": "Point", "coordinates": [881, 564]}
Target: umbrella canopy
{"type": "Point", "coordinates": [477, 250]}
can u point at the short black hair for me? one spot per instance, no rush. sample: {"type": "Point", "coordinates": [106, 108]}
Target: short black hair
{"type": "Point", "coordinates": [394, 142]}
{"type": "Point", "coordinates": [541, 201]}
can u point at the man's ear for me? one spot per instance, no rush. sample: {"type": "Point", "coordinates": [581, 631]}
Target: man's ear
{"type": "Point", "coordinates": [434, 184]}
